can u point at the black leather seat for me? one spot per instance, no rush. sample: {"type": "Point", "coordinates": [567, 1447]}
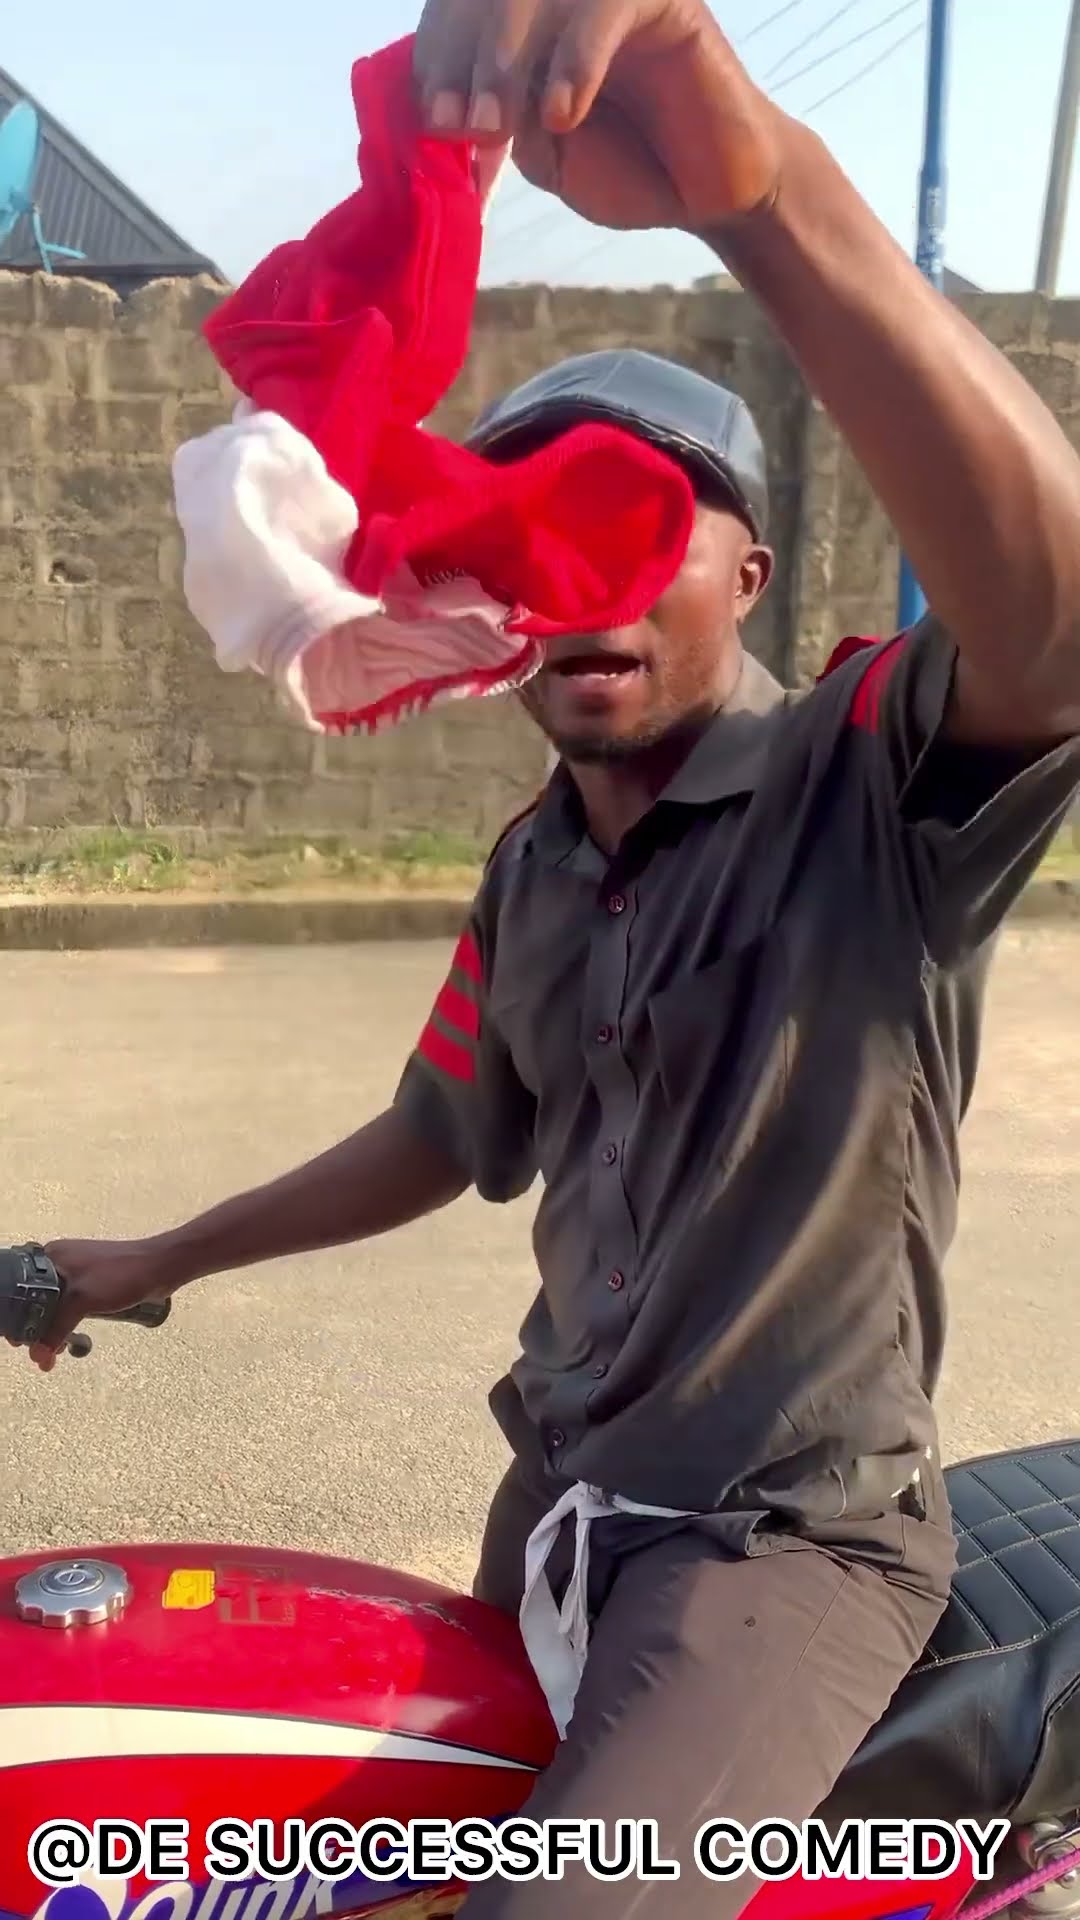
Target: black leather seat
{"type": "Point", "coordinates": [988, 1723]}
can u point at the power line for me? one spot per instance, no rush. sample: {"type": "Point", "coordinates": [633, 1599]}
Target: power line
{"type": "Point", "coordinates": [542, 225]}
{"type": "Point", "coordinates": [582, 260]}
{"type": "Point", "coordinates": [594, 252]}
{"type": "Point", "coordinates": [545, 218]}
{"type": "Point", "coordinates": [780, 14]}
{"type": "Point", "coordinates": [855, 40]}
{"type": "Point", "coordinates": [853, 79]}
{"type": "Point", "coordinates": [548, 219]}
{"type": "Point", "coordinates": [809, 38]}
{"type": "Point", "coordinates": [546, 229]}
{"type": "Point", "coordinates": [915, 34]}
{"type": "Point", "coordinates": [509, 194]}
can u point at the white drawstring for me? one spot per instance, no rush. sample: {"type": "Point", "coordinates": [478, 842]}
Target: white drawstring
{"type": "Point", "coordinates": [557, 1638]}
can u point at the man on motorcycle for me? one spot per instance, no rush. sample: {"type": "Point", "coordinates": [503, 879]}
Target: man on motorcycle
{"type": "Point", "coordinates": [722, 987]}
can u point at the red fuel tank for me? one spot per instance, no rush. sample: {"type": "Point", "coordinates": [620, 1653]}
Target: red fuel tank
{"type": "Point", "coordinates": [234, 1683]}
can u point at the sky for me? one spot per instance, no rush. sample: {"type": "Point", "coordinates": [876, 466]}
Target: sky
{"type": "Point", "coordinates": [233, 120]}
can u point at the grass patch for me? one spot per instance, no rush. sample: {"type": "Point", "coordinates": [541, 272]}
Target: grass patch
{"type": "Point", "coordinates": [125, 860]}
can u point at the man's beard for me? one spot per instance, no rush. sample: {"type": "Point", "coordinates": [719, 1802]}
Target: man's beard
{"type": "Point", "coordinates": [615, 750]}
{"type": "Point", "coordinates": [594, 750]}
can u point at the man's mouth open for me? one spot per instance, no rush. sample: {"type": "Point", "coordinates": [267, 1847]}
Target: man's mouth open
{"type": "Point", "coordinates": [590, 669]}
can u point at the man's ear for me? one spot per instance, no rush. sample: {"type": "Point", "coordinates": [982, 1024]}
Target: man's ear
{"type": "Point", "coordinates": [754, 575]}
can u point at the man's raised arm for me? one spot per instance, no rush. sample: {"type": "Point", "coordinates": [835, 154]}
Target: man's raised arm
{"type": "Point", "coordinates": [976, 475]}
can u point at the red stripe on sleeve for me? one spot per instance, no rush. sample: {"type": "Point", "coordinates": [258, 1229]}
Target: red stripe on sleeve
{"type": "Point", "coordinates": [845, 651]}
{"type": "Point", "coordinates": [458, 1010]}
{"type": "Point", "coordinates": [866, 706]}
{"type": "Point", "coordinates": [467, 957]}
{"type": "Point", "coordinates": [454, 1053]}
{"type": "Point", "coordinates": [446, 1054]}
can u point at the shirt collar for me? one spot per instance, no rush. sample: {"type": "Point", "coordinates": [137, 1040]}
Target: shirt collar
{"type": "Point", "coordinates": [725, 764]}
{"type": "Point", "coordinates": [728, 759]}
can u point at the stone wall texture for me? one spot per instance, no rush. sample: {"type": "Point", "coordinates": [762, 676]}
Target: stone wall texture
{"type": "Point", "coordinates": [111, 706]}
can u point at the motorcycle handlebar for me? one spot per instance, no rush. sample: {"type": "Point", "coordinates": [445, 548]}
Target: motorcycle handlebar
{"type": "Point", "coordinates": [146, 1313]}
{"type": "Point", "coordinates": [31, 1291]}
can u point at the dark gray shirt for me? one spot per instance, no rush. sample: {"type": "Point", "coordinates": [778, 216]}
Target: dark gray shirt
{"type": "Point", "coordinates": [738, 1054]}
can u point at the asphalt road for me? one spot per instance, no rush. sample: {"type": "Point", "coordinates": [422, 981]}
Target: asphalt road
{"type": "Point", "coordinates": [339, 1402]}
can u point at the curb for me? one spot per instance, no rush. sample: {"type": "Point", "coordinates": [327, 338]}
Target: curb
{"type": "Point", "coordinates": [84, 925]}
{"type": "Point", "coordinates": [91, 925]}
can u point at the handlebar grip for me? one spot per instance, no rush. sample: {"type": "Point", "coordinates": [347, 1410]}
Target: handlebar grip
{"type": "Point", "coordinates": [146, 1313]}
{"type": "Point", "coordinates": [31, 1290]}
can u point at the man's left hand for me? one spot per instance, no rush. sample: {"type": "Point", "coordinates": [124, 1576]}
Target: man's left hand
{"type": "Point", "coordinates": [637, 113]}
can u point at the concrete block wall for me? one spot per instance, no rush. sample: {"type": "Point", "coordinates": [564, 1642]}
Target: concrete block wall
{"type": "Point", "coordinates": [111, 705]}
{"type": "Point", "coordinates": [112, 708]}
{"type": "Point", "coordinates": [855, 545]}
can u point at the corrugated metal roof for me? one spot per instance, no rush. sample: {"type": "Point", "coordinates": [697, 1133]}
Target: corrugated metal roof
{"type": "Point", "coordinates": [83, 205]}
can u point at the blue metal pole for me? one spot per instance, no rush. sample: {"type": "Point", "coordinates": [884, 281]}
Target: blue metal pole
{"type": "Point", "coordinates": [930, 245]}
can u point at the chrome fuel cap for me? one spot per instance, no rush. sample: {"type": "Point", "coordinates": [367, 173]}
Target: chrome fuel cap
{"type": "Point", "coordinates": [72, 1593]}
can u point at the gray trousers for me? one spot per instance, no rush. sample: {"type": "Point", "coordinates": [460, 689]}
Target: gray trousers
{"type": "Point", "coordinates": [716, 1685]}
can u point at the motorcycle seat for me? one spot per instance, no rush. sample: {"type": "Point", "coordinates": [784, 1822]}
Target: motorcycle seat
{"type": "Point", "coordinates": [988, 1721]}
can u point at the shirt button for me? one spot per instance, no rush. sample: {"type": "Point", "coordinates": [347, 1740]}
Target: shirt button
{"type": "Point", "coordinates": [558, 1438]}
{"type": "Point", "coordinates": [599, 1370]}
{"type": "Point", "coordinates": [609, 1155]}
{"type": "Point", "coordinates": [604, 1036]}
{"type": "Point", "coordinates": [616, 903]}
{"type": "Point", "coordinates": [616, 1281]}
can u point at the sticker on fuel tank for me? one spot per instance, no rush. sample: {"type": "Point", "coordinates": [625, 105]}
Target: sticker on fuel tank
{"type": "Point", "coordinates": [189, 1589]}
